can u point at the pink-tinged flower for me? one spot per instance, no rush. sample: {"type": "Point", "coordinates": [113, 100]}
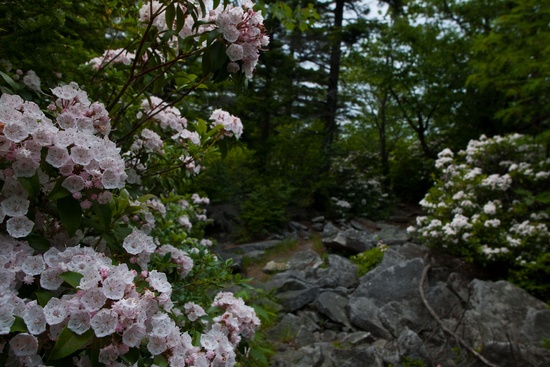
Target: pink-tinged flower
{"type": "Point", "coordinates": [159, 282]}
{"type": "Point", "coordinates": [34, 318]}
{"type": "Point", "coordinates": [25, 167]}
{"type": "Point", "coordinates": [235, 52]}
{"type": "Point", "coordinates": [16, 131]}
{"type": "Point", "coordinates": [232, 125]}
{"type": "Point", "coordinates": [33, 265]}
{"type": "Point", "coordinates": [73, 184]}
{"type": "Point", "coordinates": [55, 311]}
{"type": "Point", "coordinates": [93, 299]}
{"type": "Point", "coordinates": [24, 344]}
{"type": "Point", "coordinates": [111, 179]}
{"type": "Point", "coordinates": [6, 318]}
{"type": "Point", "coordinates": [137, 242]}
{"type": "Point", "coordinates": [212, 339]}
{"type": "Point", "coordinates": [156, 345]}
{"type": "Point", "coordinates": [104, 322]}
{"type": "Point", "coordinates": [32, 80]}
{"type": "Point", "coordinates": [18, 227]}
{"type": "Point", "coordinates": [79, 321]}
{"type": "Point", "coordinates": [108, 355]}
{"type": "Point", "coordinates": [57, 156]}
{"type": "Point", "coordinates": [15, 206]}
{"type": "Point", "coordinates": [113, 288]}
{"type": "Point", "coordinates": [134, 334]}
{"type": "Point", "coordinates": [193, 311]}
{"type": "Point", "coordinates": [50, 279]}
{"type": "Point", "coordinates": [81, 155]}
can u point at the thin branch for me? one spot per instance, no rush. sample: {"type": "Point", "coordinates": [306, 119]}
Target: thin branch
{"type": "Point", "coordinates": [461, 341]}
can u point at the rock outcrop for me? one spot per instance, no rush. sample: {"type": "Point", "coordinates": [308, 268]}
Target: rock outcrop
{"type": "Point", "coordinates": [331, 318]}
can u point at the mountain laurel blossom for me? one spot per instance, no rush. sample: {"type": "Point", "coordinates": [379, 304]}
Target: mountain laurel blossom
{"type": "Point", "coordinates": [486, 211]}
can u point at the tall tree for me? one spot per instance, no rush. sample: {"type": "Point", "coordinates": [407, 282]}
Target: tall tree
{"type": "Point", "coordinates": [513, 58]}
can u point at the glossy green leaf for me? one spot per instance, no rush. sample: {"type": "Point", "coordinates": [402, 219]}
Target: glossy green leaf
{"type": "Point", "coordinates": [160, 361]}
{"type": "Point", "coordinates": [104, 214]}
{"type": "Point", "coordinates": [218, 55]}
{"type": "Point", "coordinates": [180, 19]}
{"type": "Point", "coordinates": [170, 15]}
{"type": "Point", "coordinates": [31, 184]}
{"type": "Point", "coordinates": [71, 277]}
{"type": "Point", "coordinates": [69, 342]}
{"type": "Point", "coordinates": [18, 325]}
{"type": "Point", "coordinates": [70, 214]}
{"type": "Point", "coordinates": [43, 297]}
{"type": "Point", "coordinates": [146, 197]}
{"type": "Point", "coordinates": [58, 191]}
{"type": "Point", "coordinates": [9, 80]}
{"type": "Point", "coordinates": [38, 242]}
{"type": "Point", "coordinates": [201, 127]}
{"type": "Point", "coordinates": [215, 4]}
{"type": "Point", "coordinates": [206, 62]}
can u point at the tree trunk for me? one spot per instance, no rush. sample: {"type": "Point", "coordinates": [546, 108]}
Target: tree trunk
{"type": "Point", "coordinates": [334, 74]}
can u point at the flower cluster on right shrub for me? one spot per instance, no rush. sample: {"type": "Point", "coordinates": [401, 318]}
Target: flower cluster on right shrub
{"type": "Point", "coordinates": [491, 205]}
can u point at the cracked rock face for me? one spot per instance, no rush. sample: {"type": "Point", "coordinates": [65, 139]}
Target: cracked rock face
{"type": "Point", "coordinates": [335, 319]}
{"type": "Point", "coordinates": [332, 318]}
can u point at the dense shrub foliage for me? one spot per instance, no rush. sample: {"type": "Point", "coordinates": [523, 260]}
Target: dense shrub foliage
{"type": "Point", "coordinates": [103, 256]}
{"type": "Point", "coordinates": [491, 205]}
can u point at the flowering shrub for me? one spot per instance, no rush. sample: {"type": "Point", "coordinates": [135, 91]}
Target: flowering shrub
{"type": "Point", "coordinates": [359, 191]}
{"type": "Point", "coordinates": [102, 257]}
{"type": "Point", "coordinates": [491, 205]}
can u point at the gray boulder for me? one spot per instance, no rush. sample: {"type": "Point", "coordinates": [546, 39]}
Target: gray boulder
{"type": "Point", "coordinates": [333, 306]}
{"type": "Point", "coordinates": [341, 272]}
{"type": "Point", "coordinates": [351, 241]}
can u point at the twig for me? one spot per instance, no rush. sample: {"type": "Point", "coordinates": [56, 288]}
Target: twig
{"type": "Point", "coordinates": [461, 341]}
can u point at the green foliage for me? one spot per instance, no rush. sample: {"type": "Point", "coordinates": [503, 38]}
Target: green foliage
{"type": "Point", "coordinates": [512, 58]}
{"type": "Point", "coordinates": [368, 260]}
{"type": "Point", "coordinates": [357, 189]}
{"type": "Point", "coordinates": [265, 209]}
{"type": "Point", "coordinates": [410, 172]}
{"type": "Point", "coordinates": [490, 206]}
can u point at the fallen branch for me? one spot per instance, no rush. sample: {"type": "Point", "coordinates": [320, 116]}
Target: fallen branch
{"type": "Point", "coordinates": [461, 341]}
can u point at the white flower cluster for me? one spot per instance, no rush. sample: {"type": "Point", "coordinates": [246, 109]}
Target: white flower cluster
{"type": "Point", "coordinates": [72, 145]}
{"type": "Point", "coordinates": [243, 29]}
{"type": "Point", "coordinates": [241, 26]}
{"type": "Point", "coordinates": [232, 125]}
{"type": "Point", "coordinates": [109, 303]}
{"type": "Point", "coordinates": [112, 57]}
{"type": "Point", "coordinates": [483, 205]}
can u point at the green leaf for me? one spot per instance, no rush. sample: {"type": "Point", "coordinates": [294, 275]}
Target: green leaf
{"type": "Point", "coordinates": [146, 197]}
{"type": "Point", "coordinates": [201, 127]}
{"type": "Point", "coordinates": [31, 184]}
{"type": "Point", "coordinates": [218, 55]}
{"type": "Point", "coordinates": [72, 277]}
{"type": "Point", "coordinates": [215, 4]}
{"type": "Point", "coordinates": [38, 242]}
{"type": "Point", "coordinates": [9, 80]}
{"type": "Point", "coordinates": [213, 35]}
{"type": "Point", "coordinates": [543, 197]}
{"type": "Point", "coordinates": [258, 356]}
{"type": "Point", "coordinates": [70, 214]}
{"type": "Point", "coordinates": [206, 62]}
{"type": "Point", "coordinates": [43, 297]}
{"type": "Point", "coordinates": [180, 19]}
{"type": "Point", "coordinates": [18, 325]}
{"type": "Point", "coordinates": [58, 191]}
{"type": "Point", "coordinates": [103, 213]}
{"type": "Point", "coordinates": [160, 361]}
{"type": "Point", "coordinates": [170, 15]}
{"type": "Point", "coordinates": [70, 342]}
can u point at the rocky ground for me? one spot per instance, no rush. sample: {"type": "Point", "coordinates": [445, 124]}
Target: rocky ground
{"type": "Point", "coordinates": [411, 310]}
